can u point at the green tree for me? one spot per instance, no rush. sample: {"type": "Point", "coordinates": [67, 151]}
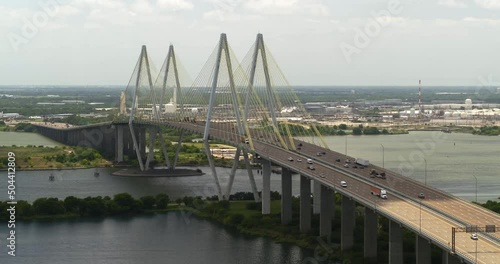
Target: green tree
{"type": "Point", "coordinates": [162, 201]}
{"type": "Point", "coordinates": [124, 200]}
{"type": "Point", "coordinates": [357, 131]}
{"type": "Point", "coordinates": [343, 126]}
{"type": "Point", "coordinates": [48, 206]}
{"type": "Point", "coordinates": [371, 131]}
{"type": "Point", "coordinates": [24, 209]}
{"type": "Point", "coordinates": [148, 202]}
{"type": "Point", "coordinates": [72, 204]}
{"type": "Point", "coordinates": [95, 206]}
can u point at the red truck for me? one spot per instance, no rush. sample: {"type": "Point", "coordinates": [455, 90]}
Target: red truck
{"type": "Point", "coordinates": [378, 192]}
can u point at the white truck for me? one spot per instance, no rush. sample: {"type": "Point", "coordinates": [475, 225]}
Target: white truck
{"type": "Point", "coordinates": [362, 162]}
{"type": "Point", "coordinates": [378, 192]}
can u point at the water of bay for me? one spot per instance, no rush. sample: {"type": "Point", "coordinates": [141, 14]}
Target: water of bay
{"type": "Point", "coordinates": [174, 238]}
{"type": "Point", "coordinates": [452, 161]}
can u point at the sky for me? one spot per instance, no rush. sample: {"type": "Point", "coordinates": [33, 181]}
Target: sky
{"type": "Point", "coordinates": [330, 42]}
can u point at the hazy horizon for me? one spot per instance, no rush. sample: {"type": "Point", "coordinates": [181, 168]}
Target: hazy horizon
{"type": "Point", "coordinates": [390, 42]}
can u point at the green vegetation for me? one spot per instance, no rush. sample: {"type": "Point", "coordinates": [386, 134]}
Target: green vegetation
{"type": "Point", "coordinates": [241, 213]}
{"type": "Point", "coordinates": [25, 100]}
{"type": "Point", "coordinates": [492, 205]}
{"type": "Point", "coordinates": [25, 127]}
{"type": "Point", "coordinates": [72, 207]}
{"type": "Point", "coordinates": [37, 157]}
{"type": "Point", "coordinates": [81, 121]}
{"type": "Point", "coordinates": [488, 131]}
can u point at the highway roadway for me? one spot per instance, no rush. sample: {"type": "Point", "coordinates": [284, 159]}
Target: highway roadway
{"type": "Point", "coordinates": [421, 215]}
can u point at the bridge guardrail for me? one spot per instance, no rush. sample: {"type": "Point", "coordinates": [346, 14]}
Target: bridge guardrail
{"type": "Point", "coordinates": [410, 225]}
{"type": "Point", "coordinates": [464, 223]}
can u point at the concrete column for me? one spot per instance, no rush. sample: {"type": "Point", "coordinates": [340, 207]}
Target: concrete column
{"type": "Point", "coordinates": [395, 243]}
{"type": "Point", "coordinates": [151, 147]}
{"type": "Point", "coordinates": [316, 197]}
{"type": "Point", "coordinates": [325, 218]}
{"type": "Point", "coordinates": [348, 221]}
{"type": "Point", "coordinates": [305, 204]}
{"type": "Point", "coordinates": [423, 249]}
{"type": "Point", "coordinates": [286, 196]}
{"type": "Point", "coordinates": [142, 141]}
{"type": "Point", "coordinates": [119, 144]}
{"type": "Point", "coordinates": [450, 258]}
{"type": "Point", "coordinates": [266, 187]}
{"type": "Point", "coordinates": [370, 234]}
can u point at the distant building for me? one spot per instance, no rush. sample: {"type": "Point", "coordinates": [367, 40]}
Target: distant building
{"type": "Point", "coordinates": [73, 101]}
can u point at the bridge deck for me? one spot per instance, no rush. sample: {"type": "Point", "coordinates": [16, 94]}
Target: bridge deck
{"type": "Point", "coordinates": [433, 216]}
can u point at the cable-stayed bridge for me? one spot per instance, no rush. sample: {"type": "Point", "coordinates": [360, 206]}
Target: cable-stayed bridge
{"type": "Point", "coordinates": [251, 106]}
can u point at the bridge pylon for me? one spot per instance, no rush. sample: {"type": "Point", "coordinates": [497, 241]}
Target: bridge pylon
{"type": "Point", "coordinates": [143, 104]}
{"type": "Point", "coordinates": [169, 104]}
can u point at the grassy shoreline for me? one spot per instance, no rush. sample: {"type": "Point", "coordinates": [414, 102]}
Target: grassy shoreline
{"type": "Point", "coordinates": [243, 216]}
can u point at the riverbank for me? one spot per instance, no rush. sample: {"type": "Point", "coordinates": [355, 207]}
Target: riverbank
{"type": "Point", "coordinates": [49, 158]}
{"type": "Point", "coordinates": [242, 215]}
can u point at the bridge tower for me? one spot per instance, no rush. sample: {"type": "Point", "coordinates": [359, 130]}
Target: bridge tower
{"type": "Point", "coordinates": [170, 93]}
{"type": "Point", "coordinates": [224, 58]}
{"type": "Point", "coordinates": [141, 87]}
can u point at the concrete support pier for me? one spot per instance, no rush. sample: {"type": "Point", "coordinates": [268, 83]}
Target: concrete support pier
{"type": "Point", "coordinates": [348, 221]}
{"type": "Point", "coordinates": [286, 196]}
{"type": "Point", "coordinates": [325, 218]}
{"type": "Point", "coordinates": [119, 144]}
{"type": "Point", "coordinates": [266, 187]}
{"type": "Point", "coordinates": [316, 197]}
{"type": "Point", "coordinates": [305, 204]}
{"type": "Point", "coordinates": [395, 243]}
{"type": "Point", "coordinates": [142, 141]}
{"type": "Point", "coordinates": [423, 250]}
{"type": "Point", "coordinates": [450, 259]}
{"type": "Point", "coordinates": [370, 234]}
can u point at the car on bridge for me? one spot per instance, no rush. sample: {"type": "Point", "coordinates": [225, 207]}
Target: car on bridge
{"type": "Point", "coordinates": [346, 165]}
{"type": "Point", "coordinates": [299, 160]}
{"type": "Point", "coordinates": [311, 167]}
{"type": "Point", "coordinates": [343, 184]}
{"type": "Point", "coordinates": [474, 236]}
{"type": "Point", "coordinates": [421, 195]}
{"type": "Point", "coordinates": [290, 158]}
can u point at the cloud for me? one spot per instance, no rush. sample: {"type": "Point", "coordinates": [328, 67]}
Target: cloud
{"type": "Point", "coordinates": [452, 3]}
{"type": "Point", "coordinates": [142, 6]}
{"type": "Point", "coordinates": [175, 5]}
{"type": "Point", "coordinates": [287, 7]}
{"type": "Point", "coordinates": [483, 21]}
{"type": "Point", "coordinates": [67, 10]}
{"type": "Point", "coordinates": [98, 4]}
{"type": "Point", "coordinates": [489, 4]}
